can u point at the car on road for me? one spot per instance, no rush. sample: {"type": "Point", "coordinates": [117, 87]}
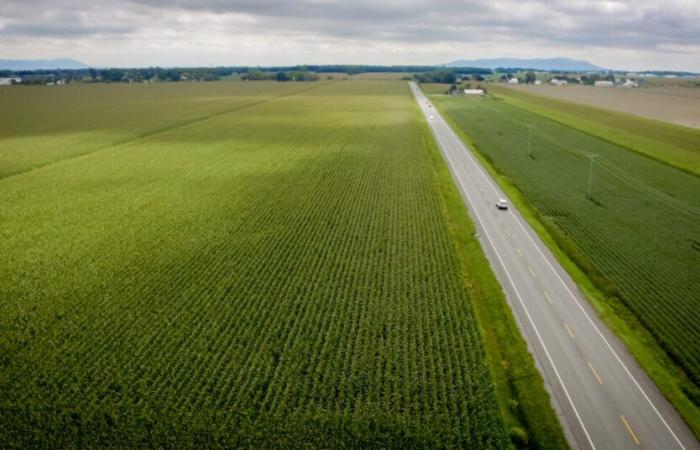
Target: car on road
{"type": "Point", "coordinates": [432, 117]}
{"type": "Point", "coordinates": [502, 203]}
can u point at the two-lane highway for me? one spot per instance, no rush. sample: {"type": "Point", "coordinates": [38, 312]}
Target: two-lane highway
{"type": "Point", "coordinates": [605, 401]}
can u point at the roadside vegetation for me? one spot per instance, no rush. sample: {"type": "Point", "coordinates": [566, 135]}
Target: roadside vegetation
{"type": "Point", "coordinates": [278, 272]}
{"type": "Point", "coordinates": [672, 144]}
{"type": "Point", "coordinates": [632, 245]}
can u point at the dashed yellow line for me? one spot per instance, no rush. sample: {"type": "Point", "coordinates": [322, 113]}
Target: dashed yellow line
{"type": "Point", "coordinates": [568, 330]}
{"type": "Point", "coordinates": [548, 298]}
{"type": "Point", "coordinates": [517, 249]}
{"type": "Point", "coordinates": [507, 232]}
{"type": "Point", "coordinates": [595, 372]}
{"type": "Point", "coordinates": [629, 430]}
{"type": "Point", "coordinates": [532, 271]}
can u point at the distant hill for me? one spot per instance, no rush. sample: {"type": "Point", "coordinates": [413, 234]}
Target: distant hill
{"type": "Point", "coordinates": [39, 64]}
{"type": "Point", "coordinates": [536, 63]}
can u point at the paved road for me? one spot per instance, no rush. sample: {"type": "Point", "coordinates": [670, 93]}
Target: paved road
{"type": "Point", "coordinates": [603, 398]}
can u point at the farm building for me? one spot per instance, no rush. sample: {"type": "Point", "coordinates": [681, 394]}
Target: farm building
{"type": "Point", "coordinates": [8, 81]}
{"type": "Point", "coordinates": [558, 82]}
{"type": "Point", "coordinates": [513, 81]}
{"type": "Point", "coordinates": [604, 83]}
{"type": "Point", "coordinates": [630, 84]}
{"type": "Point", "coordinates": [473, 92]}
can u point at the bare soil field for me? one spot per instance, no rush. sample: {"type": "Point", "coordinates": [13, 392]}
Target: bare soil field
{"type": "Point", "coordinates": [679, 105]}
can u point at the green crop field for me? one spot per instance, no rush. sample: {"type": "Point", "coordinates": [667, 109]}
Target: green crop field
{"type": "Point", "coordinates": [41, 125]}
{"type": "Point", "coordinates": [234, 265]}
{"type": "Point", "coordinates": [639, 235]}
{"type": "Point", "coordinates": [676, 145]}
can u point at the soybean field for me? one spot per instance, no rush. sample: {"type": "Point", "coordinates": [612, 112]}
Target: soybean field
{"type": "Point", "coordinates": [261, 265]}
{"type": "Point", "coordinates": [637, 235]}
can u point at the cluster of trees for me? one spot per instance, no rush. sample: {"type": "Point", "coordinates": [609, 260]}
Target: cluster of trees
{"type": "Point", "coordinates": [592, 78]}
{"type": "Point", "coordinates": [436, 76]}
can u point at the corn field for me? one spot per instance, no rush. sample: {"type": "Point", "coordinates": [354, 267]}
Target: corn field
{"type": "Point", "coordinates": [279, 275]}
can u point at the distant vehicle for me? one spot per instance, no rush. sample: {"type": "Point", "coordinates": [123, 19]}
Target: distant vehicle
{"type": "Point", "coordinates": [432, 117]}
{"type": "Point", "coordinates": [429, 105]}
{"type": "Point", "coordinates": [502, 203]}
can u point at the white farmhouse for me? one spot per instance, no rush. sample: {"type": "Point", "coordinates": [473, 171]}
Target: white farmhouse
{"type": "Point", "coordinates": [604, 83]}
{"type": "Point", "coordinates": [558, 82]}
{"type": "Point", "coordinates": [630, 84]}
{"type": "Point", "coordinates": [11, 80]}
{"type": "Point", "coordinates": [513, 81]}
{"type": "Point", "coordinates": [473, 92]}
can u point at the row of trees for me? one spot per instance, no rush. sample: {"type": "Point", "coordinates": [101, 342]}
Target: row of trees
{"type": "Point", "coordinates": [280, 73]}
{"type": "Point", "coordinates": [280, 76]}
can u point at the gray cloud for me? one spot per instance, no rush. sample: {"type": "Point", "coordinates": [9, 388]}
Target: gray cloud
{"type": "Point", "coordinates": [524, 26]}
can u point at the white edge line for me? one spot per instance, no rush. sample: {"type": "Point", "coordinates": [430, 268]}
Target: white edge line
{"type": "Point", "coordinates": [578, 303]}
{"type": "Point", "coordinates": [532, 323]}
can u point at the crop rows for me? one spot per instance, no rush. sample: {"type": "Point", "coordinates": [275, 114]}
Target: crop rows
{"type": "Point", "coordinates": [280, 276]}
{"type": "Point", "coordinates": [640, 231]}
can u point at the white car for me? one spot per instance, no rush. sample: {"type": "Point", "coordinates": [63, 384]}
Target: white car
{"type": "Point", "coordinates": [502, 203]}
{"type": "Point", "coordinates": [432, 117]}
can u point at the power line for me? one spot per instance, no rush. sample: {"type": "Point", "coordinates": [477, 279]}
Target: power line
{"type": "Point", "coordinates": [592, 156]}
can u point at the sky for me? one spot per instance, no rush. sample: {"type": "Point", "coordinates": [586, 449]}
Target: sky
{"type": "Point", "coordinates": [631, 35]}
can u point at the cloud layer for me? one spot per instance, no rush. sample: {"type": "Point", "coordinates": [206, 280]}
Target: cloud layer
{"type": "Point", "coordinates": [619, 34]}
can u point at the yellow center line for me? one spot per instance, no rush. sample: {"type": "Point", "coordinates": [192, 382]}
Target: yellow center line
{"type": "Point", "coordinates": [597, 377]}
{"type": "Point", "coordinates": [629, 430]}
{"type": "Point", "coordinates": [568, 330]}
{"type": "Point", "coordinates": [532, 271]}
{"type": "Point", "coordinates": [518, 250]}
{"type": "Point", "coordinates": [547, 295]}
{"type": "Point", "coordinates": [507, 232]}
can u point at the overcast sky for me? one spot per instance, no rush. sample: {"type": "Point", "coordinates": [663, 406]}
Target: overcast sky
{"type": "Point", "coordinates": [639, 34]}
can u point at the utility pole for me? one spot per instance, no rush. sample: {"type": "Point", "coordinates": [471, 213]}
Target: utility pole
{"type": "Point", "coordinates": [591, 156]}
{"type": "Point", "coordinates": [529, 141]}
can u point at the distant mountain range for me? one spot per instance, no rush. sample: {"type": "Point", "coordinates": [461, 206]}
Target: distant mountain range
{"type": "Point", "coordinates": [535, 63]}
{"type": "Point", "coordinates": [41, 64]}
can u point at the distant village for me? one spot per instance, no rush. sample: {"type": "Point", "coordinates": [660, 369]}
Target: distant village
{"type": "Point", "coordinates": [629, 80]}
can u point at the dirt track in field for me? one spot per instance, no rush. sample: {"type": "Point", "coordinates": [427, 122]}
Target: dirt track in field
{"type": "Point", "coordinates": [679, 105]}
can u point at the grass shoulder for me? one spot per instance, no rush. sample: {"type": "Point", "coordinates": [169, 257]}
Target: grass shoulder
{"type": "Point", "coordinates": [666, 374]}
{"type": "Point", "coordinates": [523, 401]}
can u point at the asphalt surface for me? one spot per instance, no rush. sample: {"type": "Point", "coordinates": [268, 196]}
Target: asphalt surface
{"type": "Point", "coordinates": [603, 398]}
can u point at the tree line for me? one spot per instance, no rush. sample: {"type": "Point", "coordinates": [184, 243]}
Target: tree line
{"type": "Point", "coordinates": [278, 73]}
